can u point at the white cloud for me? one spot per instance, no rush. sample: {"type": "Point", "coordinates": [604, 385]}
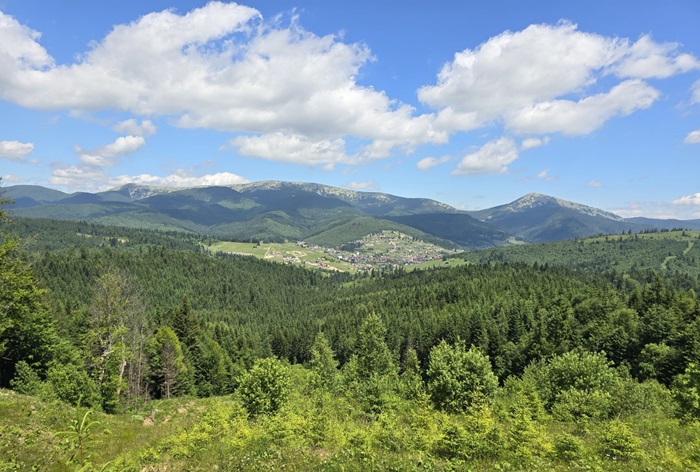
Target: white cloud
{"type": "Point", "coordinates": [693, 137]}
{"type": "Point", "coordinates": [430, 162]}
{"type": "Point", "coordinates": [493, 157]}
{"type": "Point", "coordinates": [646, 59]}
{"type": "Point", "coordinates": [295, 149]}
{"type": "Point", "coordinates": [15, 150]}
{"type": "Point", "coordinates": [12, 179]}
{"type": "Point", "coordinates": [527, 79]}
{"type": "Point", "coordinates": [695, 89]}
{"type": "Point", "coordinates": [223, 67]}
{"type": "Point", "coordinates": [220, 66]}
{"type": "Point", "coordinates": [80, 177]}
{"type": "Point", "coordinates": [96, 179]}
{"type": "Point", "coordinates": [181, 179]}
{"type": "Point", "coordinates": [688, 200]}
{"type": "Point", "coordinates": [595, 183]}
{"type": "Point", "coordinates": [368, 185]}
{"type": "Point", "coordinates": [133, 128]}
{"type": "Point", "coordinates": [586, 115]}
{"type": "Point", "coordinates": [544, 175]}
{"type": "Point", "coordinates": [531, 143]}
{"type": "Point", "coordinates": [109, 155]}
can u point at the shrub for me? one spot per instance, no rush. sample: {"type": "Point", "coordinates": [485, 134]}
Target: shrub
{"type": "Point", "coordinates": [618, 442]}
{"type": "Point", "coordinates": [264, 388]}
{"type": "Point", "coordinates": [457, 377]}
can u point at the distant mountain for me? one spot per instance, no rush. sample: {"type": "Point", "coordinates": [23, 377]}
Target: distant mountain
{"type": "Point", "coordinates": [331, 216]}
{"type": "Point", "coordinates": [540, 218]}
{"type": "Point", "coordinates": [26, 196]}
{"type": "Point", "coordinates": [268, 211]}
{"type": "Point", "coordinates": [666, 224]}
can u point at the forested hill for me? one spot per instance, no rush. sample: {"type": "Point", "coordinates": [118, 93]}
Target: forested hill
{"type": "Point", "coordinates": [332, 216]}
{"type": "Point", "coordinates": [672, 253]}
{"type": "Point", "coordinates": [535, 365]}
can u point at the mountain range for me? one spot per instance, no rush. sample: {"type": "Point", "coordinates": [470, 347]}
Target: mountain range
{"type": "Point", "coordinates": [325, 215]}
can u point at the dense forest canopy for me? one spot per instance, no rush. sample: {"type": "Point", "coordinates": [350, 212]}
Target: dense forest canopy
{"type": "Point", "coordinates": [552, 354]}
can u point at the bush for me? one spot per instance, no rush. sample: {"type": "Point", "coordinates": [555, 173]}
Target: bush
{"type": "Point", "coordinates": [72, 384]}
{"type": "Point", "coordinates": [686, 392]}
{"type": "Point", "coordinates": [618, 443]}
{"type": "Point", "coordinates": [26, 380]}
{"type": "Point", "coordinates": [576, 384]}
{"type": "Point", "coordinates": [568, 448]}
{"type": "Point", "coordinates": [457, 377]}
{"type": "Point", "coordinates": [264, 388]}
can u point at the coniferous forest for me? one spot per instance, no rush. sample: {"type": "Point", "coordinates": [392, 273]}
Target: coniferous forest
{"type": "Point", "coordinates": [126, 349]}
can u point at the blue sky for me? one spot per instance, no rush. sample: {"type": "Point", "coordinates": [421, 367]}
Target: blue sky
{"type": "Point", "coordinates": [471, 103]}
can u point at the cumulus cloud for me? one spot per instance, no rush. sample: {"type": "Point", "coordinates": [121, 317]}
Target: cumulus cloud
{"type": "Point", "coordinates": [132, 127]}
{"type": "Point", "coordinates": [296, 149]}
{"type": "Point", "coordinates": [108, 156]}
{"type": "Point", "coordinates": [646, 59]}
{"type": "Point", "coordinates": [688, 200]}
{"type": "Point", "coordinates": [368, 185]}
{"type": "Point", "coordinates": [222, 66]}
{"type": "Point", "coordinates": [15, 150]}
{"type": "Point", "coordinates": [182, 179]}
{"type": "Point", "coordinates": [12, 179]}
{"type": "Point", "coordinates": [693, 137]}
{"type": "Point", "coordinates": [525, 79]}
{"type": "Point", "coordinates": [493, 157]}
{"type": "Point", "coordinates": [586, 115]}
{"type": "Point", "coordinates": [531, 143]}
{"type": "Point", "coordinates": [80, 177]}
{"type": "Point", "coordinates": [97, 179]}
{"type": "Point", "coordinates": [430, 162]}
{"type": "Point", "coordinates": [219, 66]}
{"type": "Point", "coordinates": [595, 183]}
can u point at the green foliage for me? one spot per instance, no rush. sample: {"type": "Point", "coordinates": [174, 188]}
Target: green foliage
{"type": "Point", "coordinates": [618, 442]}
{"type": "Point", "coordinates": [265, 387]}
{"type": "Point", "coordinates": [373, 355]}
{"type": "Point", "coordinates": [71, 384]}
{"type": "Point", "coordinates": [411, 385]}
{"type": "Point", "coordinates": [457, 378]}
{"type": "Point", "coordinates": [26, 380]}
{"type": "Point", "coordinates": [568, 448]}
{"type": "Point", "coordinates": [686, 390]}
{"type": "Point", "coordinates": [660, 362]}
{"type": "Point", "coordinates": [324, 367]}
{"type": "Point", "coordinates": [576, 384]}
{"type": "Point", "coordinates": [79, 437]}
{"type": "Point", "coordinates": [167, 363]}
{"type": "Point", "coordinates": [26, 329]}
{"type": "Point", "coordinates": [214, 370]}
{"type": "Point", "coordinates": [474, 435]}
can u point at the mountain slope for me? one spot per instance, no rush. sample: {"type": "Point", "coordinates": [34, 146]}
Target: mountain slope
{"type": "Point", "coordinates": [269, 211]}
{"type": "Point", "coordinates": [540, 218]}
{"type": "Point", "coordinates": [277, 211]}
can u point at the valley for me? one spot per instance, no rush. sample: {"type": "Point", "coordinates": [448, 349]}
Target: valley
{"type": "Point", "coordinates": [381, 348]}
{"type": "Point", "coordinates": [376, 251]}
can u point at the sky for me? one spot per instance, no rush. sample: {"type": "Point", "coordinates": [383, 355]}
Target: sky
{"type": "Point", "coordinates": [474, 104]}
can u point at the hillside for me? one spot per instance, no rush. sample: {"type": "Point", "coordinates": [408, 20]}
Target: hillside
{"type": "Point", "coordinates": [235, 363]}
{"type": "Point", "coordinates": [279, 211]}
{"type": "Point", "coordinates": [262, 211]}
{"type": "Point", "coordinates": [675, 253]}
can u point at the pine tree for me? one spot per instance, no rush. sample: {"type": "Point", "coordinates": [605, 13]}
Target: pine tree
{"type": "Point", "coordinates": [324, 367]}
{"type": "Point", "coordinates": [373, 355]}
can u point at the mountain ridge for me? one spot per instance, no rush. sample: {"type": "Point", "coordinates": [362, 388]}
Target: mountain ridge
{"type": "Point", "coordinates": [279, 210]}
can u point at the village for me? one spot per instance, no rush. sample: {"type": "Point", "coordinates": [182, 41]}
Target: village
{"type": "Point", "coordinates": [376, 251]}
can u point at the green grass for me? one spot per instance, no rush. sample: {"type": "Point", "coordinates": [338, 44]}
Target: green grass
{"type": "Point", "coordinates": [284, 253]}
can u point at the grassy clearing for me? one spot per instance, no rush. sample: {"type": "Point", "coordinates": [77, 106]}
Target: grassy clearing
{"type": "Point", "coordinates": [288, 253]}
